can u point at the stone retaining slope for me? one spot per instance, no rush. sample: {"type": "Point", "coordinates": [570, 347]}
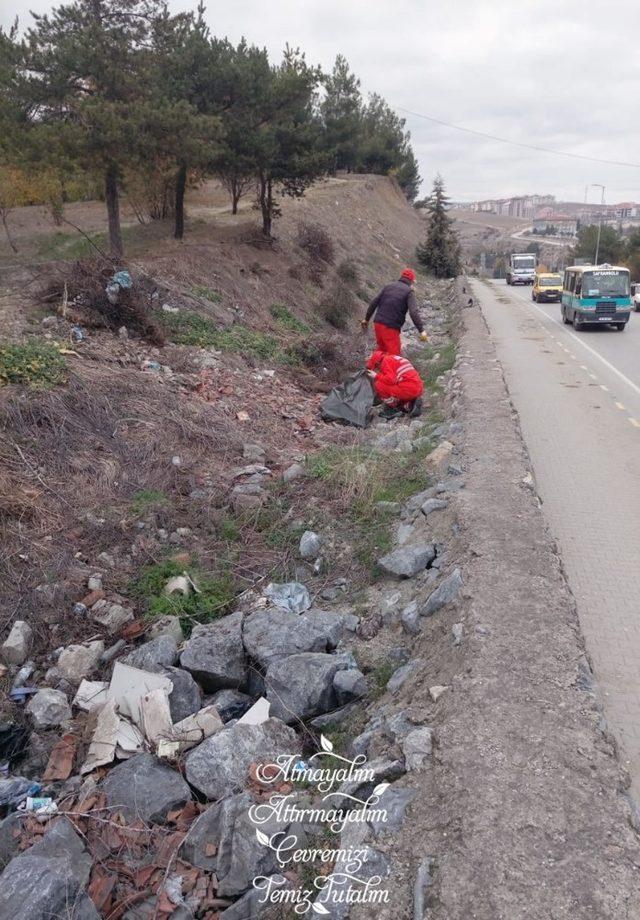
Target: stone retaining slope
{"type": "Point", "coordinates": [526, 789]}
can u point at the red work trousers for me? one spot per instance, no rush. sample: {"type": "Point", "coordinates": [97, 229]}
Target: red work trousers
{"type": "Point", "coordinates": [388, 339]}
{"type": "Point", "coordinates": [408, 389]}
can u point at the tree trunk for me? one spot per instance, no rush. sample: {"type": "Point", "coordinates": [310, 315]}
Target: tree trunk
{"type": "Point", "coordinates": [181, 184]}
{"type": "Point", "coordinates": [6, 230]}
{"type": "Point", "coordinates": [113, 213]}
{"type": "Point", "coordinates": [235, 196]}
{"type": "Point", "coordinates": [266, 204]}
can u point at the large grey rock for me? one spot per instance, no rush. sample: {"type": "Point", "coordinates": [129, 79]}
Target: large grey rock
{"type": "Point", "coordinates": [144, 788]}
{"type": "Point", "coordinates": [416, 747]}
{"type": "Point", "coordinates": [166, 626]}
{"type": "Point", "coordinates": [219, 765]}
{"type": "Point", "coordinates": [295, 471]}
{"type": "Point", "coordinates": [349, 685]}
{"type": "Point", "coordinates": [252, 906]}
{"type": "Point", "coordinates": [399, 677]}
{"type": "Point", "coordinates": [335, 898]}
{"type": "Point", "coordinates": [15, 648]}
{"type": "Point", "coordinates": [422, 899]}
{"type": "Point", "coordinates": [231, 704]}
{"type": "Point", "coordinates": [155, 655]}
{"type": "Point", "coordinates": [49, 708]}
{"type": "Point", "coordinates": [310, 545]}
{"type": "Point", "coordinates": [291, 596]}
{"type": "Point", "coordinates": [301, 686]}
{"type": "Point", "coordinates": [393, 803]}
{"type": "Point", "coordinates": [408, 561]}
{"type": "Point", "coordinates": [410, 619]}
{"type": "Point", "coordinates": [416, 501]}
{"type": "Point", "coordinates": [78, 661]}
{"type": "Point", "coordinates": [433, 504]}
{"type": "Point", "coordinates": [48, 879]}
{"type": "Point", "coordinates": [112, 616]}
{"type": "Point", "coordinates": [275, 633]}
{"type": "Point", "coordinates": [215, 654]}
{"type": "Point", "coordinates": [8, 842]}
{"type": "Point", "coordinates": [254, 453]}
{"type": "Point", "coordinates": [446, 592]}
{"type": "Point", "coordinates": [186, 696]}
{"type": "Point", "coordinates": [239, 857]}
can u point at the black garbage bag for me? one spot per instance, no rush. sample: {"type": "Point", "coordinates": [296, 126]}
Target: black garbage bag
{"type": "Point", "coordinates": [350, 403]}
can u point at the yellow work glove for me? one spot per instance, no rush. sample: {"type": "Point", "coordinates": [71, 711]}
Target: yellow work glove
{"type": "Point", "coordinates": [364, 324]}
{"type": "Point", "coordinates": [424, 337]}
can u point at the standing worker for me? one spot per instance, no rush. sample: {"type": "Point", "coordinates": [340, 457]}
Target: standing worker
{"type": "Point", "coordinates": [390, 308]}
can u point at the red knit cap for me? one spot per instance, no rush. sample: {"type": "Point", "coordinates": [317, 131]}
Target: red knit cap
{"type": "Point", "coordinates": [409, 274]}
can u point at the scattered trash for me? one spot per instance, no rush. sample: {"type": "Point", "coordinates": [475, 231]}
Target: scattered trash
{"type": "Point", "coordinates": [110, 653]}
{"type": "Point", "coordinates": [258, 713]}
{"type": "Point", "coordinates": [169, 308]}
{"type": "Point", "coordinates": [243, 416]}
{"type": "Point", "coordinates": [149, 365]}
{"type": "Point", "coordinates": [24, 674]}
{"type": "Point", "coordinates": [156, 715]}
{"type": "Point", "coordinates": [91, 694]}
{"type": "Point", "coordinates": [79, 609]}
{"type": "Point", "coordinates": [176, 461]}
{"type": "Point", "coordinates": [77, 334]}
{"type": "Point", "coordinates": [14, 791]}
{"type": "Point", "coordinates": [290, 596]}
{"type": "Point", "coordinates": [350, 403]}
{"type": "Point", "coordinates": [128, 686]}
{"type": "Point", "coordinates": [112, 290]}
{"type": "Point", "coordinates": [41, 806]}
{"type": "Point", "coordinates": [20, 694]}
{"type": "Point", "coordinates": [181, 583]}
{"type": "Point", "coordinates": [196, 727]}
{"type": "Point", "coordinates": [168, 750]}
{"type": "Point", "coordinates": [123, 279]}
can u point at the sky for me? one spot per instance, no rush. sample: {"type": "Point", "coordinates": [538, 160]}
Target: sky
{"type": "Point", "coordinates": [561, 74]}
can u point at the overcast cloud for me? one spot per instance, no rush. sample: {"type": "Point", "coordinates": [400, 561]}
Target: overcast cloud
{"type": "Point", "coordinates": [557, 73]}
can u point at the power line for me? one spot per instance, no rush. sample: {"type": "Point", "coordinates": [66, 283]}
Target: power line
{"type": "Point", "coordinates": [504, 140]}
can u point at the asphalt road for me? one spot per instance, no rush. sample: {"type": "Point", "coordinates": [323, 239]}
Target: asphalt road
{"type": "Point", "coordinates": [578, 398]}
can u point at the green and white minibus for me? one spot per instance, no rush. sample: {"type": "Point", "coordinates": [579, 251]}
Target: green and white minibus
{"type": "Point", "coordinates": [596, 294]}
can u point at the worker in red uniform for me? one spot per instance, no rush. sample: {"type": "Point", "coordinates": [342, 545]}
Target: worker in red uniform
{"type": "Point", "coordinates": [390, 307]}
{"type": "Point", "coordinates": [397, 383]}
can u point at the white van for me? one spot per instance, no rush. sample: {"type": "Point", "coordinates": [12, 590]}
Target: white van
{"type": "Point", "coordinates": [635, 296]}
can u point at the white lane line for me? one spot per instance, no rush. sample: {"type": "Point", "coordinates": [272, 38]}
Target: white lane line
{"type": "Point", "coordinates": [635, 422]}
{"type": "Point", "coordinates": [593, 376]}
{"type": "Point", "coordinates": [620, 406]}
{"type": "Point", "coordinates": [608, 364]}
{"type": "Point", "coordinates": [603, 387]}
{"type": "Point", "coordinates": [583, 367]}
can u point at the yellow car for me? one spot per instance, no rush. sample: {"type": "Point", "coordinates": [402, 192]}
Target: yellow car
{"type": "Point", "coordinates": [547, 286]}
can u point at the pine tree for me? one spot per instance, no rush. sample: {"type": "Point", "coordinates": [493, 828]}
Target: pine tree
{"type": "Point", "coordinates": [86, 79]}
{"type": "Point", "coordinates": [440, 253]}
{"type": "Point", "coordinates": [408, 176]}
{"type": "Point", "coordinates": [341, 113]}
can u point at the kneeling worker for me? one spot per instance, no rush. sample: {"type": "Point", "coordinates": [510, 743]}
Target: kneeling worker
{"type": "Point", "coordinates": [390, 307]}
{"type": "Point", "coordinates": [397, 383]}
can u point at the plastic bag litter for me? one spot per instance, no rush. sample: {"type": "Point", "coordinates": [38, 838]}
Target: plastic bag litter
{"type": "Point", "coordinates": [14, 791]}
{"type": "Point", "coordinates": [290, 596]}
{"type": "Point", "coordinates": [350, 403]}
{"type": "Point", "coordinates": [123, 278]}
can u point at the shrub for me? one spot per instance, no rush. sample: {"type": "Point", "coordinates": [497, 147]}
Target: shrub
{"type": "Point", "coordinates": [186, 328]}
{"type": "Point", "coordinates": [349, 272]}
{"type": "Point", "coordinates": [286, 318]}
{"type": "Point", "coordinates": [338, 305]}
{"type": "Point", "coordinates": [35, 364]}
{"type": "Point", "coordinates": [206, 293]}
{"type": "Point", "coordinates": [316, 242]}
{"type": "Point", "coordinates": [215, 595]}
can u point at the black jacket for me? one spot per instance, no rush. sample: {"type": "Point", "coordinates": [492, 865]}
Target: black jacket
{"type": "Point", "coordinates": [391, 305]}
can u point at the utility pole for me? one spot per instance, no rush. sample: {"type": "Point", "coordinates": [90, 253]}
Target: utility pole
{"type": "Point", "coordinates": [597, 185]}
